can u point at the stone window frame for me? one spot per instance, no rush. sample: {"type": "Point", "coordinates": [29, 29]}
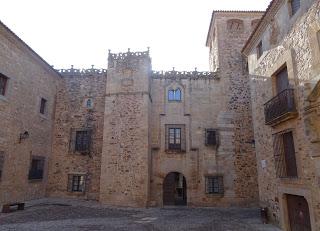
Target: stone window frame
{"type": "Point", "coordinates": [219, 180]}
{"type": "Point", "coordinates": [230, 27]}
{"type": "Point", "coordinates": [70, 183]}
{"type": "Point", "coordinates": [2, 159]}
{"type": "Point", "coordinates": [72, 143]}
{"type": "Point", "coordinates": [183, 138]}
{"type": "Point", "coordinates": [34, 174]}
{"type": "Point", "coordinates": [314, 41]}
{"type": "Point", "coordinates": [284, 60]}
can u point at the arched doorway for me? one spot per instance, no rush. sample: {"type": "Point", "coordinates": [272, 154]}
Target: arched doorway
{"type": "Point", "coordinates": [174, 189]}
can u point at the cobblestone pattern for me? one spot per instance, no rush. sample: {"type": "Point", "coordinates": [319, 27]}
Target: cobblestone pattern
{"type": "Point", "coordinates": [61, 215]}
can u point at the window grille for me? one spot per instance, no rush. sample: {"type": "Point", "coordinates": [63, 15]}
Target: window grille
{"type": "Point", "coordinates": [36, 168]}
{"type": "Point", "coordinates": [83, 140]}
{"type": "Point", "coordinates": [284, 155]}
{"type": "Point", "coordinates": [76, 183]}
{"type": "Point", "coordinates": [211, 137]}
{"type": "Point", "coordinates": [214, 185]}
{"type": "Point", "coordinates": [175, 137]}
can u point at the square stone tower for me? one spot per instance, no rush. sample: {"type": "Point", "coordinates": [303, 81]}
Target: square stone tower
{"type": "Point", "coordinates": [126, 151]}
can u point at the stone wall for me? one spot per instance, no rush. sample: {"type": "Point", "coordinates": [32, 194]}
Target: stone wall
{"type": "Point", "coordinates": [72, 113]}
{"type": "Point", "coordinates": [29, 80]}
{"type": "Point", "coordinates": [297, 48]}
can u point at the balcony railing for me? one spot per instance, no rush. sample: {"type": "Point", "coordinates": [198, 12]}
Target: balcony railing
{"type": "Point", "coordinates": [280, 108]}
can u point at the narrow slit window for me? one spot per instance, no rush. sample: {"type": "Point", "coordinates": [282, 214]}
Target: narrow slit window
{"type": "Point", "coordinates": [43, 105]}
{"type": "Point", "coordinates": [3, 84]}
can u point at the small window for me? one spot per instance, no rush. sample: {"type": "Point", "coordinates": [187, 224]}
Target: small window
{"type": "Point", "coordinates": [76, 183]}
{"type": "Point", "coordinates": [43, 104]}
{"type": "Point", "coordinates": [211, 137]}
{"type": "Point", "coordinates": [282, 80]}
{"type": "Point", "coordinates": [3, 84]}
{"type": "Point", "coordinates": [284, 155]}
{"type": "Point", "coordinates": [295, 5]}
{"type": "Point", "coordinates": [1, 163]}
{"type": "Point", "coordinates": [89, 103]}
{"type": "Point", "coordinates": [214, 185]}
{"type": "Point", "coordinates": [36, 168]}
{"type": "Point", "coordinates": [82, 142]}
{"type": "Point", "coordinates": [175, 138]}
{"type": "Point", "coordinates": [259, 50]}
{"type": "Point", "coordinates": [174, 95]}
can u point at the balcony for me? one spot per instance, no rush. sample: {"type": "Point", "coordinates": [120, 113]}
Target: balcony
{"type": "Point", "coordinates": [280, 108]}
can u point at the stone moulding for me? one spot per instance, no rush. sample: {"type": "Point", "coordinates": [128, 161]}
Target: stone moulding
{"type": "Point", "coordinates": [185, 75]}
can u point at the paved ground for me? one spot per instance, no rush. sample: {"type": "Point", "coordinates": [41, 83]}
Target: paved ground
{"type": "Point", "coordinates": [58, 215]}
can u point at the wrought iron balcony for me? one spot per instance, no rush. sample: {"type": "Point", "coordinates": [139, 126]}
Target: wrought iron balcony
{"type": "Point", "coordinates": [280, 108]}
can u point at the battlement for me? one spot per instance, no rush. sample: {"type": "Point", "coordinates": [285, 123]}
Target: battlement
{"type": "Point", "coordinates": [185, 74]}
{"type": "Point", "coordinates": [74, 71]}
{"type": "Point", "coordinates": [122, 56]}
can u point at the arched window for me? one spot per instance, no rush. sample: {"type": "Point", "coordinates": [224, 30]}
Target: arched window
{"type": "Point", "coordinates": [174, 95]}
{"type": "Point", "coordinates": [171, 95]}
{"type": "Point", "coordinates": [177, 95]}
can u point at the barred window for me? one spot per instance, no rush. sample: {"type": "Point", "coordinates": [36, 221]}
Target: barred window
{"type": "Point", "coordinates": [43, 105]}
{"type": "Point", "coordinates": [295, 5]}
{"type": "Point", "coordinates": [214, 185]}
{"type": "Point", "coordinates": [76, 183]}
{"type": "Point", "coordinates": [80, 140]}
{"type": "Point", "coordinates": [284, 154]}
{"type": "Point", "coordinates": [36, 168]}
{"type": "Point", "coordinates": [83, 141]}
{"type": "Point", "coordinates": [1, 163]}
{"type": "Point", "coordinates": [175, 137]}
{"type": "Point", "coordinates": [211, 137]}
{"type": "Point", "coordinates": [3, 84]}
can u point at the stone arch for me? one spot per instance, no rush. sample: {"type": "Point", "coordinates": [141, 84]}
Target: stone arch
{"type": "Point", "coordinates": [174, 189]}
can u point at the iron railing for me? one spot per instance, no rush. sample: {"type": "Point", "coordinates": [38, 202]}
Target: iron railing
{"type": "Point", "coordinates": [281, 105]}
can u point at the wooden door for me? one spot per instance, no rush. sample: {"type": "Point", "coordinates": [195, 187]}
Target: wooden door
{"type": "Point", "coordinates": [298, 213]}
{"type": "Point", "coordinates": [282, 81]}
{"type": "Point", "coordinates": [169, 187]}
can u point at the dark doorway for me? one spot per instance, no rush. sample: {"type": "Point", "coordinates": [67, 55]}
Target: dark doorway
{"type": "Point", "coordinates": [298, 213]}
{"type": "Point", "coordinates": [174, 189]}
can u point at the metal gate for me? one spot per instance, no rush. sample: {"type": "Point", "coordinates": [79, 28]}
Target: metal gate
{"type": "Point", "coordinates": [174, 189]}
{"type": "Point", "coordinates": [298, 213]}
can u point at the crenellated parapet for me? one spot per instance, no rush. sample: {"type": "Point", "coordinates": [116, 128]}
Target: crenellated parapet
{"type": "Point", "coordinates": [127, 58]}
{"type": "Point", "coordinates": [185, 74]}
{"type": "Point", "coordinates": [75, 71]}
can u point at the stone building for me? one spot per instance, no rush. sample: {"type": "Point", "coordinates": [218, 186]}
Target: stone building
{"type": "Point", "coordinates": [284, 65]}
{"type": "Point", "coordinates": [28, 87]}
{"type": "Point", "coordinates": [131, 136]}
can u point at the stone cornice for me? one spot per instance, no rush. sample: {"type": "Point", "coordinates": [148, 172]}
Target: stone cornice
{"type": "Point", "coordinates": [74, 71]}
{"type": "Point", "coordinates": [185, 75]}
{"type": "Point", "coordinates": [271, 11]}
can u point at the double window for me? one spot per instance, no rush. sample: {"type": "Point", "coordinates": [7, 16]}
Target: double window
{"type": "Point", "coordinates": [214, 185]}
{"type": "Point", "coordinates": [3, 84]}
{"type": "Point", "coordinates": [36, 168]}
{"type": "Point", "coordinates": [174, 95]}
{"type": "Point", "coordinates": [175, 138]}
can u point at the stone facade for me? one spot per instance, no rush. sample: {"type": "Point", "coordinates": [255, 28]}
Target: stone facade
{"type": "Point", "coordinates": [289, 40]}
{"type": "Point", "coordinates": [24, 131]}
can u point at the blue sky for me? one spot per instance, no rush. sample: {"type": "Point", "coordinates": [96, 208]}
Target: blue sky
{"type": "Point", "coordinates": [79, 32]}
